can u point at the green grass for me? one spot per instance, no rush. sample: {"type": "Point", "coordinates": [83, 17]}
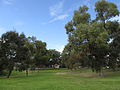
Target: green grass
{"type": "Point", "coordinates": [61, 80]}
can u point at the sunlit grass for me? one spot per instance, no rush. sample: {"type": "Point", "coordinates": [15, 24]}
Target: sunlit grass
{"type": "Point", "coordinates": [60, 80]}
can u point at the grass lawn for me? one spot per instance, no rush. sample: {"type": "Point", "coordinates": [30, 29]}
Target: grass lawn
{"type": "Point", "coordinates": [61, 80]}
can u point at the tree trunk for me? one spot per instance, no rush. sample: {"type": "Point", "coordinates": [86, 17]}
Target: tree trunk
{"type": "Point", "coordinates": [38, 70]}
{"type": "Point", "coordinates": [101, 73]}
{"type": "Point", "coordinates": [27, 72]}
{"type": "Point", "coordinates": [9, 73]}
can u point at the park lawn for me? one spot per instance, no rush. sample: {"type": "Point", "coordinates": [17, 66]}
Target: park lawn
{"type": "Point", "coordinates": [61, 80]}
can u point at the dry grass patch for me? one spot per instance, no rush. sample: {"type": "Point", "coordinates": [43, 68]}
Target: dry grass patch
{"type": "Point", "coordinates": [87, 74]}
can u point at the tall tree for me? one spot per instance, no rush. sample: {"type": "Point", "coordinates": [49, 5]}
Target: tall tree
{"type": "Point", "coordinates": [91, 37]}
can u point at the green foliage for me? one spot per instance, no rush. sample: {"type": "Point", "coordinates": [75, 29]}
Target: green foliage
{"type": "Point", "coordinates": [10, 42]}
{"type": "Point", "coordinates": [54, 57]}
{"type": "Point", "coordinates": [95, 41]}
{"type": "Point", "coordinates": [22, 53]}
{"type": "Point", "coordinates": [105, 10]}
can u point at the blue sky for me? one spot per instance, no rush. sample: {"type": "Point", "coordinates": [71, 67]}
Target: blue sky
{"type": "Point", "coordinates": [44, 19]}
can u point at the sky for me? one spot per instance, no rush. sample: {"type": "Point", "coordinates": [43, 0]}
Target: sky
{"type": "Point", "coordinates": [44, 19]}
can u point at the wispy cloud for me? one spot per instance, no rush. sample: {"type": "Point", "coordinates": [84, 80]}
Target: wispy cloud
{"type": "Point", "coordinates": [56, 9]}
{"type": "Point", "coordinates": [60, 17]}
{"type": "Point", "coordinates": [57, 13]}
{"type": "Point", "coordinates": [8, 2]}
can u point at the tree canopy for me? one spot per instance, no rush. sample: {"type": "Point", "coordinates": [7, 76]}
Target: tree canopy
{"type": "Point", "coordinates": [96, 41]}
{"type": "Point", "coordinates": [24, 53]}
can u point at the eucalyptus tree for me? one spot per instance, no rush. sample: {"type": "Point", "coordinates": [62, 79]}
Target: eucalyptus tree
{"type": "Point", "coordinates": [105, 11]}
{"type": "Point", "coordinates": [91, 38]}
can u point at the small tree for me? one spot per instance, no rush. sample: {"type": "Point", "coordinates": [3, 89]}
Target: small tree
{"type": "Point", "coordinates": [9, 45]}
{"type": "Point", "coordinates": [54, 57]}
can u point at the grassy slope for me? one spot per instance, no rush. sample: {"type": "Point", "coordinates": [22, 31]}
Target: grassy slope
{"type": "Point", "coordinates": [58, 80]}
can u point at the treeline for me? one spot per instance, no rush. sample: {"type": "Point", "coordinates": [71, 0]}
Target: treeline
{"type": "Point", "coordinates": [93, 43]}
{"type": "Point", "coordinates": [21, 53]}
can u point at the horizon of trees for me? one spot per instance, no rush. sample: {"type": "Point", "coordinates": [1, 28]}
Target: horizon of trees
{"type": "Point", "coordinates": [23, 53]}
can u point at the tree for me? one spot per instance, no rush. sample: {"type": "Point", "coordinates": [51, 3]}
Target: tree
{"type": "Point", "coordinates": [9, 44]}
{"type": "Point", "coordinates": [24, 54]}
{"type": "Point", "coordinates": [65, 56]}
{"type": "Point", "coordinates": [105, 10]}
{"type": "Point", "coordinates": [41, 57]}
{"type": "Point", "coordinates": [113, 27]}
{"type": "Point", "coordinates": [90, 38]}
{"type": "Point", "coordinates": [77, 30]}
{"type": "Point", "coordinates": [54, 57]}
{"type": "Point", "coordinates": [17, 51]}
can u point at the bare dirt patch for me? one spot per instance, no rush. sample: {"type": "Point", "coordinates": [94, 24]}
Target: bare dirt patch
{"type": "Point", "coordinates": [61, 73]}
{"type": "Point", "coordinates": [87, 74]}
